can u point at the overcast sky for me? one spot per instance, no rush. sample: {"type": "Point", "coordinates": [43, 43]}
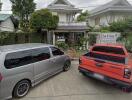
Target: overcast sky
{"type": "Point", "coordinates": [83, 4]}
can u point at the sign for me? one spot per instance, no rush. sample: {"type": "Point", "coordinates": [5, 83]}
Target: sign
{"type": "Point", "coordinates": [107, 37]}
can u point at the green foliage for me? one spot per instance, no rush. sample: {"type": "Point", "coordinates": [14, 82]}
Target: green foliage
{"type": "Point", "coordinates": [122, 26]}
{"type": "Point", "coordinates": [23, 9]}
{"type": "Point", "coordinates": [105, 29]}
{"type": "Point", "coordinates": [119, 26]}
{"type": "Point", "coordinates": [83, 16]}
{"type": "Point", "coordinates": [3, 36]}
{"type": "Point", "coordinates": [92, 39]}
{"type": "Point", "coordinates": [43, 19]}
{"type": "Point", "coordinates": [62, 45]}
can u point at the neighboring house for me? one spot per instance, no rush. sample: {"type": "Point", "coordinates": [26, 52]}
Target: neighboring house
{"type": "Point", "coordinates": [68, 30]}
{"type": "Point", "coordinates": [110, 12]}
{"type": "Point", "coordinates": [7, 23]}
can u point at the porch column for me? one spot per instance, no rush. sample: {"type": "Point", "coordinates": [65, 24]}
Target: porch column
{"type": "Point", "coordinates": [86, 35]}
{"type": "Point", "coordinates": [53, 38]}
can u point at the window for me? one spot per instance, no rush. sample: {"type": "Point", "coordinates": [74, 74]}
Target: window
{"type": "Point", "coordinates": [111, 50]}
{"type": "Point", "coordinates": [40, 54]}
{"type": "Point", "coordinates": [56, 51]}
{"type": "Point", "coordinates": [106, 57]}
{"type": "Point", "coordinates": [97, 21]}
{"type": "Point", "coordinates": [17, 59]}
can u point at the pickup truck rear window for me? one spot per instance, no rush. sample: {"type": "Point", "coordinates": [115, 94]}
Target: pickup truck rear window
{"type": "Point", "coordinates": [106, 57]}
{"type": "Point", "coordinates": [111, 50]}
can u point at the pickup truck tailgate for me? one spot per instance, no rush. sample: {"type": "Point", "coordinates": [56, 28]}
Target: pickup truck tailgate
{"type": "Point", "coordinates": [102, 66]}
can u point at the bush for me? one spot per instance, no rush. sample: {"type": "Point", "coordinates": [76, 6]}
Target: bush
{"type": "Point", "coordinates": [92, 39]}
{"type": "Point", "coordinates": [62, 45]}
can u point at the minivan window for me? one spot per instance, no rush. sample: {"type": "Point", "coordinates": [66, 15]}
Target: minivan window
{"type": "Point", "coordinates": [111, 50]}
{"type": "Point", "coordinates": [56, 51]}
{"type": "Point", "coordinates": [40, 54]}
{"type": "Point", "coordinates": [17, 59]}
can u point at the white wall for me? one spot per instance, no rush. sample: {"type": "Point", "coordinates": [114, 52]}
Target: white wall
{"type": "Point", "coordinates": [62, 17]}
{"type": "Point", "coordinates": [7, 25]}
{"type": "Point", "coordinates": [107, 18]}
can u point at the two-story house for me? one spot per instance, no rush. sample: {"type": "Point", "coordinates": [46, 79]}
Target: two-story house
{"type": "Point", "coordinates": [110, 12]}
{"type": "Point", "coordinates": [68, 29]}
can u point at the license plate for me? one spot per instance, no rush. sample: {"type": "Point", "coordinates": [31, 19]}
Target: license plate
{"type": "Point", "coordinates": [98, 76]}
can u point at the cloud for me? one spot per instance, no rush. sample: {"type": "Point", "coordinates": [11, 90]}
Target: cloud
{"type": "Point", "coordinates": [83, 4]}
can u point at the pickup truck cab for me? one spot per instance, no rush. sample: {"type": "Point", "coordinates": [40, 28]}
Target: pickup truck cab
{"type": "Point", "coordinates": [109, 63]}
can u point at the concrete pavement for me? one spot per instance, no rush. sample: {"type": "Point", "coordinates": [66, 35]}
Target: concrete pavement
{"type": "Point", "coordinates": [72, 85]}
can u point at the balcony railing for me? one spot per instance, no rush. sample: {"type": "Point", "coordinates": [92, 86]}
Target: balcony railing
{"type": "Point", "coordinates": [72, 24]}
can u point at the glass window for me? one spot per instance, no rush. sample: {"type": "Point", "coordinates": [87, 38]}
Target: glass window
{"type": "Point", "coordinates": [17, 59]}
{"type": "Point", "coordinates": [106, 57]}
{"type": "Point", "coordinates": [40, 54]}
{"type": "Point", "coordinates": [112, 50]}
{"type": "Point", "coordinates": [56, 51]}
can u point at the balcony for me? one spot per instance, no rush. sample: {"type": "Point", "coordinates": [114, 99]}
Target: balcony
{"type": "Point", "coordinates": [72, 26]}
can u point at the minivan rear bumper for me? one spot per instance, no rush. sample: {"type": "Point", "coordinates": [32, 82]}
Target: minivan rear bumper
{"type": "Point", "coordinates": [106, 78]}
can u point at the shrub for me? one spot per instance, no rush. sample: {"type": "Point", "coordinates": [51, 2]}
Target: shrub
{"type": "Point", "coordinates": [62, 45]}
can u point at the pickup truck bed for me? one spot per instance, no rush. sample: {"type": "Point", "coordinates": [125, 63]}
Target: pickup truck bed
{"type": "Point", "coordinates": [107, 66]}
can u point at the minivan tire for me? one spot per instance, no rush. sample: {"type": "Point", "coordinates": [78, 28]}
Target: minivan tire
{"type": "Point", "coordinates": [67, 66]}
{"type": "Point", "coordinates": [21, 89]}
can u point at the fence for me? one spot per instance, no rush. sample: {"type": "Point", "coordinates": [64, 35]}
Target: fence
{"type": "Point", "coordinates": [19, 38]}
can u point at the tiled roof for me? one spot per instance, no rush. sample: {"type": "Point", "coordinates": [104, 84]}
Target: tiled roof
{"type": "Point", "coordinates": [64, 5]}
{"type": "Point", "coordinates": [114, 3]}
{"type": "Point", "coordinates": [4, 16]}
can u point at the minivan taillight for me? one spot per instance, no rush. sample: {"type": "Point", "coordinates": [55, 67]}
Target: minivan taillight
{"type": "Point", "coordinates": [127, 73]}
{"type": "Point", "coordinates": [0, 77]}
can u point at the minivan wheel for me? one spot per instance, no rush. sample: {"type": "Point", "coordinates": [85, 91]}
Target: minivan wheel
{"type": "Point", "coordinates": [21, 89]}
{"type": "Point", "coordinates": [67, 65]}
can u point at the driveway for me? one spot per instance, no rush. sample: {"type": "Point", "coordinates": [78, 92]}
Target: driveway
{"type": "Point", "coordinates": [72, 85]}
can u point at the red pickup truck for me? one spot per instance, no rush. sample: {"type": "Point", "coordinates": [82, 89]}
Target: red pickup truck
{"type": "Point", "coordinates": [109, 63]}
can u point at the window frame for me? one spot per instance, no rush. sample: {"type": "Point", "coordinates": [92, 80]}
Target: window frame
{"type": "Point", "coordinates": [15, 52]}
{"type": "Point", "coordinates": [23, 51]}
{"type": "Point", "coordinates": [58, 49]}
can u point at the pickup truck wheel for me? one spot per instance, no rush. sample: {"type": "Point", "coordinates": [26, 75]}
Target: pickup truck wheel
{"type": "Point", "coordinates": [67, 66]}
{"type": "Point", "coordinates": [21, 89]}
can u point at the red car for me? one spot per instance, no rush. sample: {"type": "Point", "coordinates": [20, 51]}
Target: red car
{"type": "Point", "coordinates": [109, 63]}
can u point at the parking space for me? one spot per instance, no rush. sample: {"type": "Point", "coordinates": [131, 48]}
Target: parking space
{"type": "Point", "coordinates": [72, 85]}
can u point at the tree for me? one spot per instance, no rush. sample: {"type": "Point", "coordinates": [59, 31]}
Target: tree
{"type": "Point", "coordinates": [125, 28]}
{"type": "Point", "coordinates": [23, 9]}
{"type": "Point", "coordinates": [43, 21]}
{"type": "Point", "coordinates": [83, 16]}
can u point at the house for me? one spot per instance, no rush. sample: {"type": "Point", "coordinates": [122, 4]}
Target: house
{"type": "Point", "coordinates": [7, 23]}
{"type": "Point", "coordinates": [110, 12]}
{"type": "Point", "coordinates": [68, 29]}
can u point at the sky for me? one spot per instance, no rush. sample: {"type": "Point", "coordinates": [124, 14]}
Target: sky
{"type": "Point", "coordinates": [83, 4]}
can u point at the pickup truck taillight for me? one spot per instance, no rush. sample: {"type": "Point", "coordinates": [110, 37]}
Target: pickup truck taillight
{"type": "Point", "coordinates": [0, 77]}
{"type": "Point", "coordinates": [80, 61]}
{"type": "Point", "coordinates": [127, 73]}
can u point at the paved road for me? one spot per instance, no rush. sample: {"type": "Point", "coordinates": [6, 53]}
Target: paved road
{"type": "Point", "coordinates": [72, 85]}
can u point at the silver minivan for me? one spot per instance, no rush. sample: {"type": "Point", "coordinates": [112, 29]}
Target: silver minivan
{"type": "Point", "coordinates": [23, 66]}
